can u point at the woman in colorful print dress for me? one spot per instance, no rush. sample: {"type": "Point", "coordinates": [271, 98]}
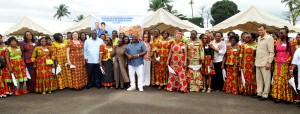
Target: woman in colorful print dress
{"type": "Point", "coordinates": [107, 63]}
{"type": "Point", "coordinates": [281, 89]}
{"type": "Point", "coordinates": [247, 59]}
{"type": "Point", "coordinates": [207, 67]}
{"type": "Point", "coordinates": [45, 81]}
{"type": "Point", "coordinates": [147, 60]}
{"type": "Point", "coordinates": [295, 65]}
{"type": "Point", "coordinates": [4, 72]}
{"type": "Point", "coordinates": [153, 42]}
{"type": "Point", "coordinates": [177, 56]}
{"type": "Point", "coordinates": [120, 64]}
{"type": "Point", "coordinates": [195, 57]}
{"type": "Point", "coordinates": [27, 47]}
{"type": "Point", "coordinates": [59, 48]}
{"type": "Point", "coordinates": [16, 64]}
{"type": "Point", "coordinates": [75, 58]}
{"type": "Point", "coordinates": [231, 60]}
{"type": "Point", "coordinates": [162, 51]}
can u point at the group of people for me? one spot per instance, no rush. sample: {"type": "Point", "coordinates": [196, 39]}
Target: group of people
{"type": "Point", "coordinates": [257, 65]}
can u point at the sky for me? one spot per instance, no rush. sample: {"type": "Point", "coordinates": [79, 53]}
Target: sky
{"type": "Point", "coordinates": [13, 10]}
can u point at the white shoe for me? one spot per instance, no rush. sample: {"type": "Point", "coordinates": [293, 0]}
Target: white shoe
{"type": "Point", "coordinates": [131, 88]}
{"type": "Point", "coordinates": [141, 89]}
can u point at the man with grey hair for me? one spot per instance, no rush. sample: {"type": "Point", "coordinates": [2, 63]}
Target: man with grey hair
{"type": "Point", "coordinates": [135, 52]}
{"type": "Point", "coordinates": [91, 56]}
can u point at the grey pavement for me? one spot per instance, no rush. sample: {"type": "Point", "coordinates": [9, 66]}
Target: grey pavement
{"type": "Point", "coordinates": [151, 101]}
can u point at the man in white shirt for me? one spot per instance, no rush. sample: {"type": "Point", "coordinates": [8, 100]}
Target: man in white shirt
{"type": "Point", "coordinates": [91, 56]}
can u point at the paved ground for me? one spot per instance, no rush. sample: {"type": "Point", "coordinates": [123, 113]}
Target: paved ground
{"type": "Point", "coordinates": [152, 101]}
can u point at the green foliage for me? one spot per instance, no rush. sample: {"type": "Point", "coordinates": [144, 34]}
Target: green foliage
{"type": "Point", "coordinates": [197, 21]}
{"type": "Point", "coordinates": [61, 11]}
{"type": "Point", "coordinates": [79, 18]}
{"type": "Point", "coordinates": [222, 10]}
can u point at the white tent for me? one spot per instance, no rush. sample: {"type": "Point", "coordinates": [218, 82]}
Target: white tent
{"type": "Point", "coordinates": [195, 27]}
{"type": "Point", "coordinates": [26, 24]}
{"type": "Point", "coordinates": [163, 20]}
{"type": "Point", "coordinates": [82, 26]}
{"type": "Point", "coordinates": [250, 19]}
{"type": "Point", "coordinates": [53, 26]}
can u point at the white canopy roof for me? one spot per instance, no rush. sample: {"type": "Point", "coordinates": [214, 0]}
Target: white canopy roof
{"type": "Point", "coordinates": [163, 20]}
{"type": "Point", "coordinates": [250, 19]}
{"type": "Point", "coordinates": [83, 26]}
{"type": "Point", "coordinates": [26, 24]}
{"type": "Point", "coordinates": [5, 26]}
{"type": "Point", "coordinates": [37, 26]}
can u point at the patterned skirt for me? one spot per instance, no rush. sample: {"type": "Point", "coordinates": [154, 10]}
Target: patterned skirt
{"type": "Point", "coordinates": [108, 79]}
{"type": "Point", "coordinates": [194, 77]}
{"type": "Point", "coordinates": [208, 68]}
{"type": "Point", "coordinates": [45, 81]}
{"type": "Point", "coordinates": [231, 84]}
{"type": "Point", "coordinates": [250, 79]}
{"type": "Point", "coordinates": [19, 69]}
{"type": "Point", "coordinates": [281, 88]}
{"type": "Point", "coordinates": [162, 72]}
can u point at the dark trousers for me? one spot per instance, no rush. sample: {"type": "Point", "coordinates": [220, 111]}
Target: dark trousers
{"type": "Point", "coordinates": [94, 75]}
{"type": "Point", "coordinates": [217, 79]}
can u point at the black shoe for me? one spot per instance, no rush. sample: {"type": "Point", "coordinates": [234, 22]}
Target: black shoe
{"type": "Point", "coordinates": [277, 101]}
{"type": "Point", "coordinates": [98, 87]}
{"type": "Point", "coordinates": [256, 96]}
{"type": "Point", "coordinates": [88, 87]}
{"type": "Point", "coordinates": [262, 99]}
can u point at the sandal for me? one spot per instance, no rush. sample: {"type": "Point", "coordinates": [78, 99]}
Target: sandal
{"type": "Point", "coordinates": [159, 88]}
{"type": "Point", "coordinates": [16, 93]}
{"type": "Point", "coordinates": [208, 90]}
{"type": "Point", "coordinates": [203, 90]}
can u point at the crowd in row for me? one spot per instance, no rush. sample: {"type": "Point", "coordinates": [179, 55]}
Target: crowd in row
{"type": "Point", "coordinates": [253, 64]}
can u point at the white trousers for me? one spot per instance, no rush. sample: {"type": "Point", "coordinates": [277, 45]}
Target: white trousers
{"type": "Point", "coordinates": [139, 71]}
{"type": "Point", "coordinates": [147, 72]}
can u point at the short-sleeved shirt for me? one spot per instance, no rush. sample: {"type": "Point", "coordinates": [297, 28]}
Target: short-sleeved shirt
{"type": "Point", "coordinates": [136, 48]}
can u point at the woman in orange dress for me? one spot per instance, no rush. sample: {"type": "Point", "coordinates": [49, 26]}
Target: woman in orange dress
{"type": "Point", "coordinates": [232, 62]}
{"type": "Point", "coordinates": [45, 81]}
{"type": "Point", "coordinates": [247, 59]}
{"type": "Point", "coordinates": [4, 72]}
{"type": "Point", "coordinates": [106, 62]}
{"type": "Point", "coordinates": [162, 50]}
{"type": "Point", "coordinates": [16, 64]}
{"type": "Point", "coordinates": [75, 59]}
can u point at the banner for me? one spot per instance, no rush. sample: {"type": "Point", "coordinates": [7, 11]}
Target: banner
{"type": "Point", "coordinates": [124, 24]}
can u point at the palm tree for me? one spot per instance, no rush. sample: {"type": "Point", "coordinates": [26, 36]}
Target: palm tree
{"type": "Point", "coordinates": [294, 9]}
{"type": "Point", "coordinates": [192, 3]}
{"type": "Point", "coordinates": [79, 18]}
{"type": "Point", "coordinates": [62, 10]}
{"type": "Point", "coordinates": [156, 4]}
{"type": "Point", "coordinates": [290, 3]}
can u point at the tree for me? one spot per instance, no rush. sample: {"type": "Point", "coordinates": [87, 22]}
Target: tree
{"type": "Point", "coordinates": [192, 3]}
{"type": "Point", "coordinates": [222, 10]}
{"type": "Point", "coordinates": [197, 21]}
{"type": "Point", "coordinates": [62, 10]}
{"type": "Point", "coordinates": [79, 18]}
{"type": "Point", "coordinates": [294, 10]}
{"type": "Point", "coordinates": [207, 17]}
{"type": "Point", "coordinates": [156, 4]}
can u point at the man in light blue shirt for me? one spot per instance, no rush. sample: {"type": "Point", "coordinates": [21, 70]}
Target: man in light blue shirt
{"type": "Point", "coordinates": [135, 52]}
{"type": "Point", "coordinates": [91, 56]}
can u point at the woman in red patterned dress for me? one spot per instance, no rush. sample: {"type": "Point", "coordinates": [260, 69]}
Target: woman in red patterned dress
{"type": "Point", "coordinates": [208, 68]}
{"type": "Point", "coordinates": [44, 80]}
{"type": "Point", "coordinates": [4, 72]}
{"type": "Point", "coordinates": [27, 47]}
{"type": "Point", "coordinates": [162, 50]}
{"type": "Point", "coordinates": [247, 59]}
{"type": "Point", "coordinates": [76, 59]}
{"type": "Point", "coordinates": [16, 64]}
{"type": "Point", "coordinates": [153, 42]}
{"type": "Point", "coordinates": [232, 63]}
{"type": "Point", "coordinates": [178, 56]}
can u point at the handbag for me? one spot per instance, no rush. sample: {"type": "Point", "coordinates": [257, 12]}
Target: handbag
{"type": "Point", "coordinates": [49, 62]}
